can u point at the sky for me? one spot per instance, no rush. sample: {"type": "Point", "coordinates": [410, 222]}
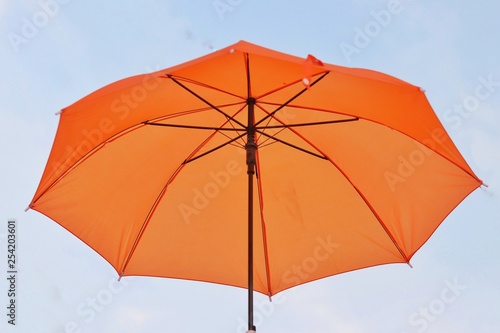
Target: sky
{"type": "Point", "coordinates": [53, 52]}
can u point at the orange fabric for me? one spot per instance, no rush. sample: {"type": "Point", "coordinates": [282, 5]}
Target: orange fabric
{"type": "Point", "coordinates": [386, 182]}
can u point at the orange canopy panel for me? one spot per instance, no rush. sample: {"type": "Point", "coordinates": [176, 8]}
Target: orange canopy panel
{"type": "Point", "coordinates": [353, 169]}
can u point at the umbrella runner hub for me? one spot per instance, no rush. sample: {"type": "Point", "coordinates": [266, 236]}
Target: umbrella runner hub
{"type": "Point", "coordinates": [251, 145]}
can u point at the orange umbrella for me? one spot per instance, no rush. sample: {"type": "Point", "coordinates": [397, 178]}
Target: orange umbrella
{"type": "Point", "coordinates": [253, 168]}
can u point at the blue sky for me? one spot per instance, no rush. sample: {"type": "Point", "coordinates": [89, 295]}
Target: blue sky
{"type": "Point", "coordinates": [54, 52]}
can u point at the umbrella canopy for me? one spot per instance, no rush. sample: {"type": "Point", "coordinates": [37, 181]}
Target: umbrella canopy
{"type": "Point", "coordinates": [338, 168]}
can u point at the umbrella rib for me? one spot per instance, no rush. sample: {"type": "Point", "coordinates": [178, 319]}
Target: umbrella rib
{"type": "Point", "coordinates": [292, 145]}
{"type": "Point", "coordinates": [204, 85]}
{"type": "Point", "coordinates": [214, 149]}
{"type": "Point", "coordinates": [174, 174]}
{"type": "Point", "coordinates": [191, 111]}
{"type": "Point", "coordinates": [211, 128]}
{"type": "Point", "coordinates": [157, 201]}
{"type": "Point", "coordinates": [247, 71]}
{"type": "Point", "coordinates": [148, 219]}
{"type": "Point", "coordinates": [324, 156]}
{"type": "Point", "coordinates": [308, 124]}
{"type": "Point", "coordinates": [283, 126]}
{"type": "Point", "coordinates": [263, 225]}
{"type": "Point", "coordinates": [259, 189]}
{"type": "Point", "coordinates": [371, 120]}
{"type": "Point", "coordinates": [217, 129]}
{"type": "Point", "coordinates": [271, 114]}
{"type": "Point", "coordinates": [261, 130]}
{"type": "Point", "coordinates": [370, 207]}
{"type": "Point", "coordinates": [82, 159]}
{"type": "Point", "coordinates": [270, 92]}
{"type": "Point", "coordinates": [205, 101]}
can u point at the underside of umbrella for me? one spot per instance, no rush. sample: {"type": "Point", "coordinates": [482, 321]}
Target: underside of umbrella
{"type": "Point", "coordinates": [351, 168]}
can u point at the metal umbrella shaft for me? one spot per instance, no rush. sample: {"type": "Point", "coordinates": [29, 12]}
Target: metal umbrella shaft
{"type": "Point", "coordinates": [251, 148]}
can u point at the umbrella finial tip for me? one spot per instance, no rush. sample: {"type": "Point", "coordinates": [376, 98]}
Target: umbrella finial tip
{"type": "Point", "coordinates": [231, 51]}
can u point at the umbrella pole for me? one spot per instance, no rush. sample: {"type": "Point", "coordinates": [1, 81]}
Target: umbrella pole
{"type": "Point", "coordinates": [251, 148]}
